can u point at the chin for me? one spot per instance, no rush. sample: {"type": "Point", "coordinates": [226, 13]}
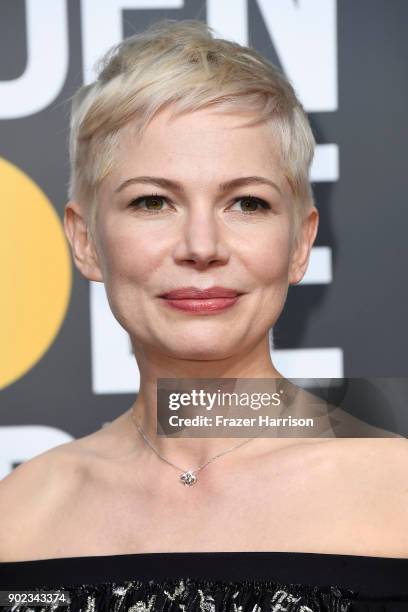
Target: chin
{"type": "Point", "coordinates": [195, 351]}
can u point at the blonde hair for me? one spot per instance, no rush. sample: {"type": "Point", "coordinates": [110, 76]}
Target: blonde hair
{"type": "Point", "coordinates": [182, 63]}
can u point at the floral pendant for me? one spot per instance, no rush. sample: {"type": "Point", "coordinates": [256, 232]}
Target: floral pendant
{"type": "Point", "coordinates": [188, 478]}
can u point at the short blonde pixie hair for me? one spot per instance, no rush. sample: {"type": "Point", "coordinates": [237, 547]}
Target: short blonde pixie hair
{"type": "Point", "coordinates": [182, 63]}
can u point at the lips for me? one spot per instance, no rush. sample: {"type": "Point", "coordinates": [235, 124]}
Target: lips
{"type": "Point", "coordinates": [193, 293]}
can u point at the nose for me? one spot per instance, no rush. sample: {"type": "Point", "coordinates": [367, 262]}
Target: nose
{"type": "Point", "coordinates": [201, 241]}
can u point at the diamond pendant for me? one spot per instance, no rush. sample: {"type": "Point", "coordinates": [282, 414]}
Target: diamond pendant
{"type": "Point", "coordinates": [188, 478]}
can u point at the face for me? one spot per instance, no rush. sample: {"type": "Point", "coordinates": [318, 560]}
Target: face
{"type": "Point", "coordinates": [153, 237]}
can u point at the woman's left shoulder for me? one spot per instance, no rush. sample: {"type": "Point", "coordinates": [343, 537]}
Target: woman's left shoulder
{"type": "Point", "coordinates": [377, 456]}
{"type": "Point", "coordinates": [370, 475]}
{"type": "Point", "coordinates": [376, 468]}
{"type": "Point", "coordinates": [389, 457]}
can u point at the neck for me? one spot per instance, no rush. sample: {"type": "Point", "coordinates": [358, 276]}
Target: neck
{"type": "Point", "coordinates": [187, 452]}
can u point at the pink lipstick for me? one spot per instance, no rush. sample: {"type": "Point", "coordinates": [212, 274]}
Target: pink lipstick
{"type": "Point", "coordinates": [201, 301]}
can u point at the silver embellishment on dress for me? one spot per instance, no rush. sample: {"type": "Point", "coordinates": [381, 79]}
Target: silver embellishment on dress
{"type": "Point", "coordinates": [140, 606]}
{"type": "Point", "coordinates": [177, 591]}
{"type": "Point", "coordinates": [206, 602]}
{"type": "Point", "coordinates": [90, 604]}
{"type": "Point", "coordinates": [121, 590]}
{"type": "Point", "coordinates": [283, 598]}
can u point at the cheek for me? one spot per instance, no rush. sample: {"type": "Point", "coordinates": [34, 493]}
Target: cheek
{"type": "Point", "coordinates": [268, 256]}
{"type": "Point", "coordinates": [129, 256]}
{"type": "Point", "coordinates": [129, 262]}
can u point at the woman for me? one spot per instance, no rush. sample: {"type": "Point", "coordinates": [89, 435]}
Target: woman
{"type": "Point", "coordinates": [190, 158]}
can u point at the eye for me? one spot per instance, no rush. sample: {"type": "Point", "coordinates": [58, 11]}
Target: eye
{"type": "Point", "coordinates": [154, 201]}
{"type": "Point", "coordinates": [154, 204]}
{"type": "Point", "coordinates": [253, 203]}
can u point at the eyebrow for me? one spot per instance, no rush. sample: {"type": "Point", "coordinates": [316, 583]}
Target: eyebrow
{"type": "Point", "coordinates": [177, 187]}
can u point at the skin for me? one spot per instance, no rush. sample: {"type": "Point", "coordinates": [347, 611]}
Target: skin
{"type": "Point", "coordinates": [108, 493]}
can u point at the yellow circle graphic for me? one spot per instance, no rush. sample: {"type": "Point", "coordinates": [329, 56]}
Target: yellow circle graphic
{"type": "Point", "coordinates": [35, 273]}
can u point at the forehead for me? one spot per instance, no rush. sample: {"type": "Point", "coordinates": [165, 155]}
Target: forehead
{"type": "Point", "coordinates": [200, 145]}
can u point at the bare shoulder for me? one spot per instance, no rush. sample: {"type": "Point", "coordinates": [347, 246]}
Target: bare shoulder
{"type": "Point", "coordinates": [34, 475]}
{"type": "Point", "coordinates": [374, 471]}
{"type": "Point", "coordinates": [37, 489]}
{"type": "Point", "coordinates": [58, 470]}
{"type": "Point", "coordinates": [366, 474]}
{"type": "Point", "coordinates": [390, 459]}
{"type": "Point", "coordinates": [375, 458]}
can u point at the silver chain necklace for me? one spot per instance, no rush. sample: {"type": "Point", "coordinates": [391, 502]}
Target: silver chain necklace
{"type": "Point", "coordinates": [189, 477]}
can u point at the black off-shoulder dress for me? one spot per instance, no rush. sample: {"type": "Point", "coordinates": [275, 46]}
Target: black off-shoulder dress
{"type": "Point", "coordinates": [213, 582]}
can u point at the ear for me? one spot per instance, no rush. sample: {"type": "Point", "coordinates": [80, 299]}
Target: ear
{"type": "Point", "coordinates": [307, 230]}
{"type": "Point", "coordinates": [82, 245]}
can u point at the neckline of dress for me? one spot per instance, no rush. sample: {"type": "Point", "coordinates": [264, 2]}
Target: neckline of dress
{"type": "Point", "coordinates": [185, 555]}
{"type": "Point", "coordinates": [369, 576]}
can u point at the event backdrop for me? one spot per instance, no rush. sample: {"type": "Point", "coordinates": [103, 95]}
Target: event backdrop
{"type": "Point", "coordinates": [66, 366]}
